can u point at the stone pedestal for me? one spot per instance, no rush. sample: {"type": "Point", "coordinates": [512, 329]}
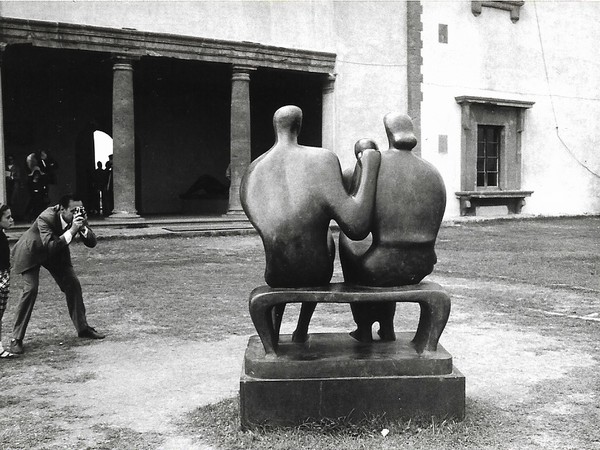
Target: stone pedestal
{"type": "Point", "coordinates": [334, 376]}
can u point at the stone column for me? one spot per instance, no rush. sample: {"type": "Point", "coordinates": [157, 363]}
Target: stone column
{"type": "Point", "coordinates": [123, 140]}
{"type": "Point", "coordinates": [328, 112]}
{"type": "Point", "coordinates": [240, 134]}
{"type": "Point", "coordinates": [3, 198]}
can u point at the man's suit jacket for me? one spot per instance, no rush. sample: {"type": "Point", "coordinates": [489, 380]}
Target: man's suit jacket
{"type": "Point", "coordinates": [42, 243]}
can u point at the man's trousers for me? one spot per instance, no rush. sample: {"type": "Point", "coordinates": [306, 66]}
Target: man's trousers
{"type": "Point", "coordinates": [67, 282]}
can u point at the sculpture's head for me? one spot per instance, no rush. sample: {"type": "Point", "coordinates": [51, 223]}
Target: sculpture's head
{"type": "Point", "coordinates": [399, 129]}
{"type": "Point", "coordinates": [288, 119]}
{"type": "Point", "coordinates": [362, 145]}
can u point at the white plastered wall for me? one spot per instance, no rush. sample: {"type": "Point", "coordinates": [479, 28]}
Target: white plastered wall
{"type": "Point", "coordinates": [490, 56]}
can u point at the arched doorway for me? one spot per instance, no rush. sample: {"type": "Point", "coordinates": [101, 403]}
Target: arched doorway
{"type": "Point", "coordinates": [101, 195]}
{"type": "Point", "coordinates": [93, 144]}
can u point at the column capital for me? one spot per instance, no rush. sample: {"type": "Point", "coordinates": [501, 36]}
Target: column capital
{"type": "Point", "coordinates": [241, 72]}
{"type": "Point", "coordinates": [3, 46]}
{"type": "Point", "coordinates": [123, 62]}
{"type": "Point", "coordinates": [243, 68]}
{"type": "Point", "coordinates": [329, 82]}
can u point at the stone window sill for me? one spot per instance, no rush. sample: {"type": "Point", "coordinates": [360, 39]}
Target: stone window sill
{"type": "Point", "coordinates": [470, 200]}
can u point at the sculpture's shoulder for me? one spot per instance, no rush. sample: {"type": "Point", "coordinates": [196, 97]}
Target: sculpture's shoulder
{"type": "Point", "coordinates": [320, 152]}
{"type": "Point", "coordinates": [399, 162]}
{"type": "Point", "coordinates": [258, 163]}
{"type": "Point", "coordinates": [290, 181]}
{"type": "Point", "coordinates": [297, 162]}
{"type": "Point", "coordinates": [415, 188]}
{"type": "Point", "coordinates": [323, 163]}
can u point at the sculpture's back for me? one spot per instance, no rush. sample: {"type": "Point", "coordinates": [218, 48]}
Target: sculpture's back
{"type": "Point", "coordinates": [409, 208]}
{"type": "Point", "coordinates": [282, 199]}
{"type": "Point", "coordinates": [291, 193]}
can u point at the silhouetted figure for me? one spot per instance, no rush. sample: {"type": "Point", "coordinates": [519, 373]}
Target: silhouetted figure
{"type": "Point", "coordinates": [14, 178]}
{"type": "Point", "coordinates": [98, 188]}
{"type": "Point", "coordinates": [47, 166]}
{"type": "Point", "coordinates": [109, 199]}
{"type": "Point", "coordinates": [38, 194]}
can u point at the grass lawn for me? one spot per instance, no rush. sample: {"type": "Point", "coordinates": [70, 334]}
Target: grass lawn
{"type": "Point", "coordinates": [523, 330]}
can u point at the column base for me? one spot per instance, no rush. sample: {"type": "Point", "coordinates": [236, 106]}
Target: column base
{"type": "Point", "coordinates": [124, 215]}
{"type": "Point", "coordinates": [235, 212]}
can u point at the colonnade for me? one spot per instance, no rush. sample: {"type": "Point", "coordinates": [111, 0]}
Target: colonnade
{"type": "Point", "coordinates": [124, 176]}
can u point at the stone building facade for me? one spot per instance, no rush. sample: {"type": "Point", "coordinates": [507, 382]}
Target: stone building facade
{"type": "Point", "coordinates": [503, 94]}
{"type": "Point", "coordinates": [523, 71]}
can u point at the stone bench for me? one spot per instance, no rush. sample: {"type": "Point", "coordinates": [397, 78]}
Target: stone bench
{"type": "Point", "coordinates": [267, 304]}
{"type": "Point", "coordinates": [469, 200]}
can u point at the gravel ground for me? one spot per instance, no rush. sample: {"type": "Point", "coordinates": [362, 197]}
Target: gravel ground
{"type": "Point", "coordinates": [175, 314]}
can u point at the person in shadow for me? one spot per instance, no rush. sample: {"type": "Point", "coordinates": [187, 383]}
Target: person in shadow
{"type": "Point", "coordinates": [38, 194]}
{"type": "Point", "coordinates": [207, 186]}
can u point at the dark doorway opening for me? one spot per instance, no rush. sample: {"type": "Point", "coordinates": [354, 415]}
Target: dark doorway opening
{"type": "Point", "coordinates": [50, 98]}
{"type": "Point", "coordinates": [182, 118]}
{"type": "Point", "coordinates": [272, 89]}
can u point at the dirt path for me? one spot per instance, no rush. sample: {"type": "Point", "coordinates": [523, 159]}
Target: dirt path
{"type": "Point", "coordinates": [148, 385]}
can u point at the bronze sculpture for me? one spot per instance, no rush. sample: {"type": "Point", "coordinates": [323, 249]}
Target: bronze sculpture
{"type": "Point", "coordinates": [393, 198]}
{"type": "Point", "coordinates": [409, 206]}
{"type": "Point", "coordinates": [396, 199]}
{"type": "Point", "coordinates": [290, 194]}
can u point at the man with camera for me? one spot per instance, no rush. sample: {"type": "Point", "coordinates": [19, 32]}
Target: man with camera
{"type": "Point", "coordinates": [46, 243]}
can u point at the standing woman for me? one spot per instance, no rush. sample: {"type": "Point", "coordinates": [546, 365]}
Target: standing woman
{"type": "Point", "coordinates": [6, 221]}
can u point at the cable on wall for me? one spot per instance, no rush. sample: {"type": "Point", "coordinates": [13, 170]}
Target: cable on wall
{"type": "Point", "coordinates": [582, 164]}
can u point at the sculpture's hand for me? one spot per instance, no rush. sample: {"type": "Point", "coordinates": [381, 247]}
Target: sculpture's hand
{"type": "Point", "coordinates": [370, 161]}
{"type": "Point", "coordinates": [354, 214]}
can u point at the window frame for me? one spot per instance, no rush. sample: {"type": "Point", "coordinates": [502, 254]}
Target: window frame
{"type": "Point", "coordinates": [498, 131]}
{"type": "Point", "coordinates": [505, 113]}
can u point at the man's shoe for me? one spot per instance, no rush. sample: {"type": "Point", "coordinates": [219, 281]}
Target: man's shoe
{"type": "Point", "coordinates": [16, 346]}
{"type": "Point", "coordinates": [90, 333]}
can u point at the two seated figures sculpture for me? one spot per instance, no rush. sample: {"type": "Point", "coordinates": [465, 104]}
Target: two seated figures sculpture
{"type": "Point", "coordinates": [389, 210]}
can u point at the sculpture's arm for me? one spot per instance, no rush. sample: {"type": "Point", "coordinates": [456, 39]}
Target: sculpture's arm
{"type": "Point", "coordinates": [354, 212]}
{"type": "Point", "coordinates": [348, 176]}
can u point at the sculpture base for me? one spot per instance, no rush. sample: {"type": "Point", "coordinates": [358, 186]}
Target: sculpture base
{"type": "Point", "coordinates": [333, 376]}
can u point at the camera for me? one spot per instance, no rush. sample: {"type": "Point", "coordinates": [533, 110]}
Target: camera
{"type": "Point", "coordinates": [79, 211]}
